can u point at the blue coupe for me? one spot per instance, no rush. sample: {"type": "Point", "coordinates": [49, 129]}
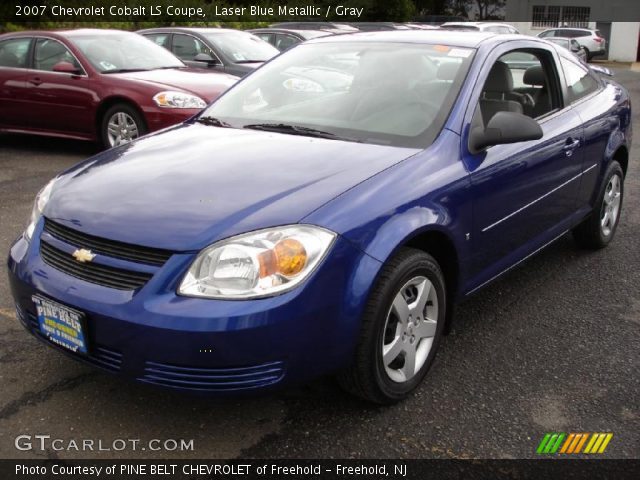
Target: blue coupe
{"type": "Point", "coordinates": [325, 214]}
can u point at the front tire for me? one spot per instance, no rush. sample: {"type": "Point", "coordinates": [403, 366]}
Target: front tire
{"type": "Point", "coordinates": [401, 329]}
{"type": "Point", "coordinates": [121, 124]}
{"type": "Point", "coordinates": [600, 227]}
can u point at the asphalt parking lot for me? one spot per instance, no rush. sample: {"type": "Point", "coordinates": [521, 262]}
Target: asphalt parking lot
{"type": "Point", "coordinates": [552, 346]}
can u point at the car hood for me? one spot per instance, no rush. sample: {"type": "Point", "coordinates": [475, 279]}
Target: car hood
{"type": "Point", "coordinates": [206, 84]}
{"type": "Point", "coordinates": [194, 184]}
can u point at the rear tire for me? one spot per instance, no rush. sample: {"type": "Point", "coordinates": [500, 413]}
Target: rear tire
{"type": "Point", "coordinates": [121, 124]}
{"type": "Point", "coordinates": [589, 55]}
{"type": "Point", "coordinates": [597, 230]}
{"type": "Point", "coordinates": [402, 325]}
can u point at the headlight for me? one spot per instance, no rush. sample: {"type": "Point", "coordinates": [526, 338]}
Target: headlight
{"type": "Point", "coordinates": [257, 264]}
{"type": "Point", "coordinates": [38, 206]}
{"type": "Point", "coordinates": [178, 100]}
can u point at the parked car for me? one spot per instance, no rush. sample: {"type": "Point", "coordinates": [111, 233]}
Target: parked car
{"type": "Point", "coordinates": [331, 27]}
{"type": "Point", "coordinates": [379, 26]}
{"type": "Point", "coordinates": [294, 229]}
{"type": "Point", "coordinates": [220, 49]}
{"type": "Point", "coordinates": [492, 27]}
{"type": "Point", "coordinates": [103, 85]}
{"type": "Point", "coordinates": [283, 39]}
{"type": "Point", "coordinates": [572, 45]}
{"type": "Point", "coordinates": [591, 40]}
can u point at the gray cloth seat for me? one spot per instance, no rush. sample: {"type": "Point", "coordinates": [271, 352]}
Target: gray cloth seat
{"type": "Point", "coordinates": [497, 89]}
{"type": "Point", "coordinates": [535, 77]}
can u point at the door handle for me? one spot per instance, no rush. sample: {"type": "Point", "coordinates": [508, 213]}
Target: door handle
{"type": "Point", "coordinates": [570, 146]}
{"type": "Point", "coordinates": [35, 81]}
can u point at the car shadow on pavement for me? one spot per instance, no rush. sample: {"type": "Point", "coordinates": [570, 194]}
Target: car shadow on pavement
{"type": "Point", "coordinates": [37, 144]}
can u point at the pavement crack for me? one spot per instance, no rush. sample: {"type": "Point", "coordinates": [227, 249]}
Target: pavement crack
{"type": "Point", "coordinates": [33, 398]}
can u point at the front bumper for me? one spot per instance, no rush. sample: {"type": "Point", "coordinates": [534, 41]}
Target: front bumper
{"type": "Point", "coordinates": [158, 118]}
{"type": "Point", "coordinates": [216, 346]}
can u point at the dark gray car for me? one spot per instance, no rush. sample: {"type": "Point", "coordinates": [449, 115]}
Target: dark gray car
{"type": "Point", "coordinates": [231, 51]}
{"type": "Point", "coordinates": [283, 38]}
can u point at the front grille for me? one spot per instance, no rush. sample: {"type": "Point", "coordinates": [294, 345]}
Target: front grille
{"type": "Point", "coordinates": [91, 272]}
{"type": "Point", "coordinates": [111, 248]}
{"type": "Point", "coordinates": [213, 379]}
{"type": "Point", "coordinates": [98, 356]}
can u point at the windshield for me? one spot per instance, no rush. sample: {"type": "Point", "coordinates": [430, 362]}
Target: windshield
{"type": "Point", "coordinates": [392, 94]}
{"type": "Point", "coordinates": [242, 47]}
{"type": "Point", "coordinates": [123, 52]}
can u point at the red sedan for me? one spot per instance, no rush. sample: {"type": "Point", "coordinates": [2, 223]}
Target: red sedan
{"type": "Point", "coordinates": [103, 85]}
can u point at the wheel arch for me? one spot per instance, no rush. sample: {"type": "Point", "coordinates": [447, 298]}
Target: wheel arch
{"type": "Point", "coordinates": [438, 242]}
{"type": "Point", "coordinates": [621, 155]}
{"type": "Point", "coordinates": [109, 102]}
{"type": "Point", "coordinates": [441, 247]}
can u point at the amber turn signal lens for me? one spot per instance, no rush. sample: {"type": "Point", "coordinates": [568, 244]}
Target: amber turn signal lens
{"type": "Point", "coordinates": [291, 256]}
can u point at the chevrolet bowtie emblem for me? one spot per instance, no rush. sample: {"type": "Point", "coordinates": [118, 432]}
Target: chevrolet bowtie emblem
{"type": "Point", "coordinates": [83, 255]}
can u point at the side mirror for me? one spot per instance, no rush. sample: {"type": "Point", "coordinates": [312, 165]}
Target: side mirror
{"type": "Point", "coordinates": [66, 67]}
{"type": "Point", "coordinates": [205, 58]}
{"type": "Point", "coordinates": [503, 128]}
{"type": "Point", "coordinates": [601, 69]}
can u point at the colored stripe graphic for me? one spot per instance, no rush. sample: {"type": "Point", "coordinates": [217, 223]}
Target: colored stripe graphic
{"type": "Point", "coordinates": [598, 443]}
{"type": "Point", "coordinates": [543, 443]}
{"type": "Point", "coordinates": [581, 443]}
{"type": "Point", "coordinates": [572, 443]}
{"type": "Point", "coordinates": [551, 443]}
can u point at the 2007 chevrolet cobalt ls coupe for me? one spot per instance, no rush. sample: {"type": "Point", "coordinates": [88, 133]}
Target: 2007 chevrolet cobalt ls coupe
{"type": "Point", "coordinates": [325, 214]}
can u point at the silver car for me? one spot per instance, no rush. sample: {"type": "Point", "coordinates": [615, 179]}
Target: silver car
{"type": "Point", "coordinates": [572, 45]}
{"type": "Point", "coordinates": [592, 40]}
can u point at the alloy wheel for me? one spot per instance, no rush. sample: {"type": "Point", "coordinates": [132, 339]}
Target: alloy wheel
{"type": "Point", "coordinates": [410, 329]}
{"type": "Point", "coordinates": [610, 206]}
{"type": "Point", "coordinates": [121, 128]}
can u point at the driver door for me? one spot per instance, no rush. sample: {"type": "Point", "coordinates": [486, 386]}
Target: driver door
{"type": "Point", "coordinates": [59, 102]}
{"type": "Point", "coordinates": [523, 191]}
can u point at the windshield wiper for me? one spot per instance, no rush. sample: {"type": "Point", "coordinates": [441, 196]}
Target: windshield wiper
{"type": "Point", "coordinates": [213, 122]}
{"type": "Point", "coordinates": [296, 130]}
{"type": "Point", "coordinates": [124, 70]}
{"type": "Point", "coordinates": [250, 61]}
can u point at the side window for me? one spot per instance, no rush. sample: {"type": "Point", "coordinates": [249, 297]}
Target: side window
{"type": "Point", "coordinates": [580, 33]}
{"type": "Point", "coordinates": [547, 34]}
{"type": "Point", "coordinates": [267, 37]}
{"type": "Point", "coordinates": [284, 42]}
{"type": "Point", "coordinates": [523, 82]}
{"type": "Point", "coordinates": [161, 39]}
{"type": "Point", "coordinates": [580, 82]}
{"type": "Point", "coordinates": [186, 47]}
{"type": "Point", "coordinates": [50, 52]}
{"type": "Point", "coordinates": [14, 53]}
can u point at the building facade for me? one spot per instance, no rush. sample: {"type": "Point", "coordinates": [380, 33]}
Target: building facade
{"type": "Point", "coordinates": [623, 38]}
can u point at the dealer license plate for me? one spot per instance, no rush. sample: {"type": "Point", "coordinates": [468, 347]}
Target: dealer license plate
{"type": "Point", "coordinates": [62, 325]}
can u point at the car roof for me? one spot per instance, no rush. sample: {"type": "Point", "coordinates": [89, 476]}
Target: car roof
{"type": "Point", "coordinates": [68, 33]}
{"type": "Point", "coordinates": [200, 30]}
{"type": "Point", "coordinates": [572, 28]}
{"type": "Point", "coordinates": [475, 24]}
{"type": "Point", "coordinates": [444, 37]}
{"type": "Point", "coordinates": [302, 33]}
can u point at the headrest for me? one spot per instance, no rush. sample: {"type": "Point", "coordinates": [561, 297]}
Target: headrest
{"type": "Point", "coordinates": [448, 71]}
{"type": "Point", "coordinates": [534, 76]}
{"type": "Point", "coordinates": [499, 79]}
